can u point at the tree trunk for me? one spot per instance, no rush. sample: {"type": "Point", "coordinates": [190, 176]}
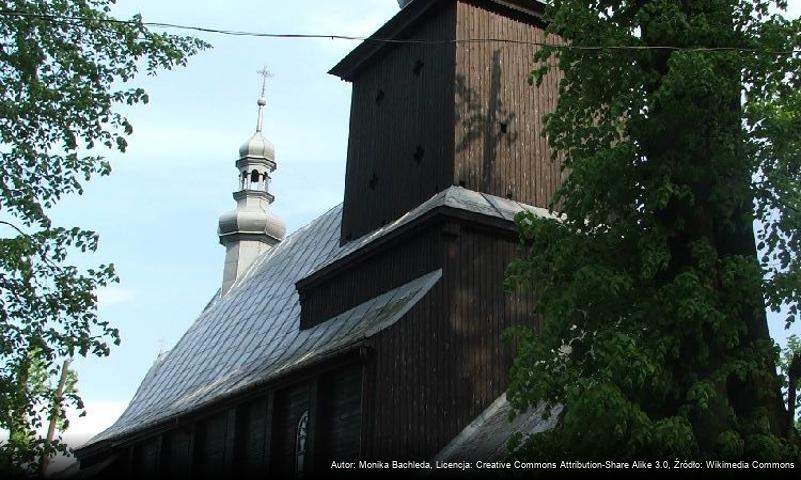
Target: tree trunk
{"type": "Point", "coordinates": [715, 130]}
{"type": "Point", "coordinates": [54, 416]}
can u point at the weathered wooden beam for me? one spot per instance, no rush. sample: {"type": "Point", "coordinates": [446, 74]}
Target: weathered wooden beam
{"type": "Point", "coordinates": [131, 461]}
{"type": "Point", "coordinates": [314, 413]}
{"type": "Point", "coordinates": [157, 467]}
{"type": "Point", "coordinates": [268, 430]}
{"type": "Point", "coordinates": [192, 450]}
{"type": "Point", "coordinates": [368, 400]}
{"type": "Point", "coordinates": [230, 442]}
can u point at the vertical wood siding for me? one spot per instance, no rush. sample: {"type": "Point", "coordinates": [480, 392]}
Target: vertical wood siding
{"type": "Point", "coordinates": [251, 438]}
{"type": "Point", "coordinates": [176, 454]}
{"type": "Point", "coordinates": [499, 145]}
{"type": "Point", "coordinates": [146, 458]}
{"type": "Point", "coordinates": [424, 117]}
{"type": "Point", "coordinates": [209, 450]}
{"type": "Point", "coordinates": [289, 405]}
{"type": "Point", "coordinates": [444, 362]}
{"type": "Point", "coordinates": [339, 426]}
{"type": "Point", "coordinates": [400, 146]}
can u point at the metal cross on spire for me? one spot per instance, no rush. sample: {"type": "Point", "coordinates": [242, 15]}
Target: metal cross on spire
{"type": "Point", "coordinates": [265, 74]}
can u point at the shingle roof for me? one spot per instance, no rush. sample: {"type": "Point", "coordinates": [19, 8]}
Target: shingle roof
{"type": "Point", "coordinates": [252, 335]}
{"type": "Point", "coordinates": [235, 335]}
{"type": "Point", "coordinates": [487, 436]}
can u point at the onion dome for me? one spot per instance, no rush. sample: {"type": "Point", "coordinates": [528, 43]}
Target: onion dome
{"type": "Point", "coordinates": [258, 146]}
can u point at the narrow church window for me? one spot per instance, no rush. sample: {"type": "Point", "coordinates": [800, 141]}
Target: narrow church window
{"type": "Point", "coordinates": [300, 443]}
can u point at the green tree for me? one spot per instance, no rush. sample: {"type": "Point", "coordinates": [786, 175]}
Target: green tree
{"type": "Point", "coordinates": [790, 358]}
{"type": "Point", "coordinates": [650, 285]}
{"type": "Point", "coordinates": [65, 66]}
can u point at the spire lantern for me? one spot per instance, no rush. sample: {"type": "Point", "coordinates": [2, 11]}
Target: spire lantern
{"type": "Point", "coordinates": [251, 229]}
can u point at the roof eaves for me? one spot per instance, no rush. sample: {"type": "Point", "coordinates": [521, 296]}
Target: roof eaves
{"type": "Point", "coordinates": [406, 17]}
{"type": "Point", "coordinates": [347, 68]}
{"type": "Point", "coordinates": [453, 202]}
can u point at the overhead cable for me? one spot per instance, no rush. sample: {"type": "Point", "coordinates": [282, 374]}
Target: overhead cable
{"type": "Point", "coordinates": [375, 39]}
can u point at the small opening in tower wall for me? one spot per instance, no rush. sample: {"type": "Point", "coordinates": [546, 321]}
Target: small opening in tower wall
{"type": "Point", "coordinates": [379, 97]}
{"type": "Point", "coordinates": [419, 153]}
{"type": "Point", "coordinates": [504, 127]}
{"type": "Point", "coordinates": [373, 181]}
{"type": "Point", "coordinates": [418, 67]}
{"type": "Point", "coordinates": [254, 177]}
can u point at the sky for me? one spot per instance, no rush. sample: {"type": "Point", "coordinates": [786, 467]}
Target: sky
{"type": "Point", "coordinates": [157, 212]}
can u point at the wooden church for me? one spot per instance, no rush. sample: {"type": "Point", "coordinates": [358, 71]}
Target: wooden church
{"type": "Point", "coordinates": [374, 332]}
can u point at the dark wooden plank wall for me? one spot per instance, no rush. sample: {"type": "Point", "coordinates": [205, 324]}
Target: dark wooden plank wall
{"type": "Point", "coordinates": [444, 363]}
{"type": "Point", "coordinates": [251, 432]}
{"type": "Point", "coordinates": [403, 141]}
{"type": "Point", "coordinates": [409, 258]}
{"type": "Point", "coordinates": [499, 146]}
{"type": "Point", "coordinates": [290, 403]}
{"type": "Point", "coordinates": [210, 445]}
{"type": "Point", "coordinates": [340, 414]}
{"type": "Point", "coordinates": [146, 458]}
{"type": "Point", "coordinates": [257, 434]}
{"type": "Point", "coordinates": [177, 453]}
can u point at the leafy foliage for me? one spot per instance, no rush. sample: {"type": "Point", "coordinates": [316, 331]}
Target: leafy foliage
{"type": "Point", "coordinates": [64, 66]}
{"type": "Point", "coordinates": [789, 353]}
{"type": "Point", "coordinates": [651, 290]}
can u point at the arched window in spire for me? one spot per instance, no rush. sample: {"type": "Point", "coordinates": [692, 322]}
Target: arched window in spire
{"type": "Point", "coordinates": [301, 434]}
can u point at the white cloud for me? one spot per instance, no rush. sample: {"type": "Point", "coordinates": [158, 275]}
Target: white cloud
{"type": "Point", "coordinates": [99, 416]}
{"type": "Point", "coordinates": [114, 295]}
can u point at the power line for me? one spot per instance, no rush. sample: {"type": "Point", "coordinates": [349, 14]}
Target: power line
{"type": "Point", "coordinates": [195, 28]}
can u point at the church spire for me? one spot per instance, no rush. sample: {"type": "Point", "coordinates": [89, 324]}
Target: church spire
{"type": "Point", "coordinates": [251, 229]}
{"type": "Point", "coordinates": [262, 102]}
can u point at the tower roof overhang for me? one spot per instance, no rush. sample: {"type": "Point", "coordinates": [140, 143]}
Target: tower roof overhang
{"type": "Point", "coordinates": [399, 26]}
